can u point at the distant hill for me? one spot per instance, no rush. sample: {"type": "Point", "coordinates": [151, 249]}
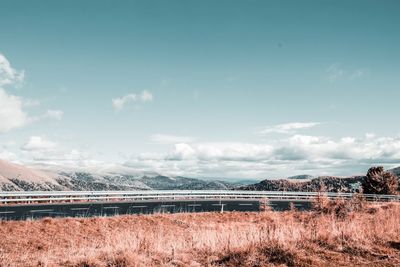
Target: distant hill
{"type": "Point", "coordinates": [301, 177]}
{"type": "Point", "coordinates": [15, 177]}
{"type": "Point", "coordinates": [312, 184]}
{"type": "Point", "coordinates": [89, 181]}
{"type": "Point", "coordinates": [18, 177]}
{"type": "Point", "coordinates": [328, 183]}
{"type": "Point", "coordinates": [183, 183]}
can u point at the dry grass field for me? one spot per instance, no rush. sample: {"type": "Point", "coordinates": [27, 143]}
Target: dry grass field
{"type": "Point", "coordinates": [368, 237]}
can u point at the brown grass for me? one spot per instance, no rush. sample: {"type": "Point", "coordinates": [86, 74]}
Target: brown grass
{"type": "Point", "coordinates": [368, 237]}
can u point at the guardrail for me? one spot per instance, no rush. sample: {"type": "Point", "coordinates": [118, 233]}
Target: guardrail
{"type": "Point", "coordinates": [31, 197]}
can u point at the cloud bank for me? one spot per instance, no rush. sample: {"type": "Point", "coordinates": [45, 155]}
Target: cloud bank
{"type": "Point", "coordinates": [291, 155]}
{"type": "Point", "coordinates": [296, 154]}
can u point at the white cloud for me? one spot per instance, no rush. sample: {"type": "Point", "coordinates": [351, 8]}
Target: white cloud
{"type": "Point", "coordinates": [288, 128]}
{"type": "Point", "coordinates": [336, 71]}
{"type": "Point", "coordinates": [182, 152]}
{"type": "Point", "coordinates": [61, 157]}
{"type": "Point", "coordinates": [7, 155]}
{"type": "Point", "coordinates": [298, 154]}
{"type": "Point", "coordinates": [222, 151]}
{"type": "Point", "coordinates": [11, 113]}
{"type": "Point", "coordinates": [206, 159]}
{"type": "Point", "coordinates": [170, 139]}
{"type": "Point", "coordinates": [49, 114]}
{"type": "Point", "coordinates": [146, 96]}
{"type": "Point", "coordinates": [38, 143]}
{"type": "Point", "coordinates": [370, 135]}
{"type": "Point", "coordinates": [40, 150]}
{"type": "Point", "coordinates": [346, 150]}
{"type": "Point", "coordinates": [119, 102]}
{"type": "Point", "coordinates": [9, 75]}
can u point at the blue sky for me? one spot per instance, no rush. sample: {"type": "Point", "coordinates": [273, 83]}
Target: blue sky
{"type": "Point", "coordinates": [251, 89]}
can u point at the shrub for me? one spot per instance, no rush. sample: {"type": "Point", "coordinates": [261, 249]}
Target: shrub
{"type": "Point", "coordinates": [339, 207]}
{"type": "Point", "coordinates": [379, 181]}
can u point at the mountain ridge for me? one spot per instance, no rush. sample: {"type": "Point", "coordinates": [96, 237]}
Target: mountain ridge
{"type": "Point", "coordinates": [15, 177]}
{"type": "Point", "coordinates": [350, 184]}
{"type": "Point", "coordinates": [326, 183]}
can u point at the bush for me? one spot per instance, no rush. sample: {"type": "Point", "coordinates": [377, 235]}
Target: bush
{"type": "Point", "coordinates": [379, 181]}
{"type": "Point", "coordinates": [339, 207]}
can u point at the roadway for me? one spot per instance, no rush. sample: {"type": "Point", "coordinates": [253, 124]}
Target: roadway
{"type": "Point", "coordinates": [38, 204]}
{"type": "Point", "coordinates": [89, 209]}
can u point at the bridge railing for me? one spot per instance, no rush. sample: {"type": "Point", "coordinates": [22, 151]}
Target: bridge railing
{"type": "Point", "coordinates": [27, 197]}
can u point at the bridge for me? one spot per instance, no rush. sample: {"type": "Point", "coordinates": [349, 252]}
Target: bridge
{"type": "Point", "coordinates": [37, 204]}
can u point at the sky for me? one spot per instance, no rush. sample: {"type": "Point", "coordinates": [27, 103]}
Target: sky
{"type": "Point", "coordinates": [212, 89]}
